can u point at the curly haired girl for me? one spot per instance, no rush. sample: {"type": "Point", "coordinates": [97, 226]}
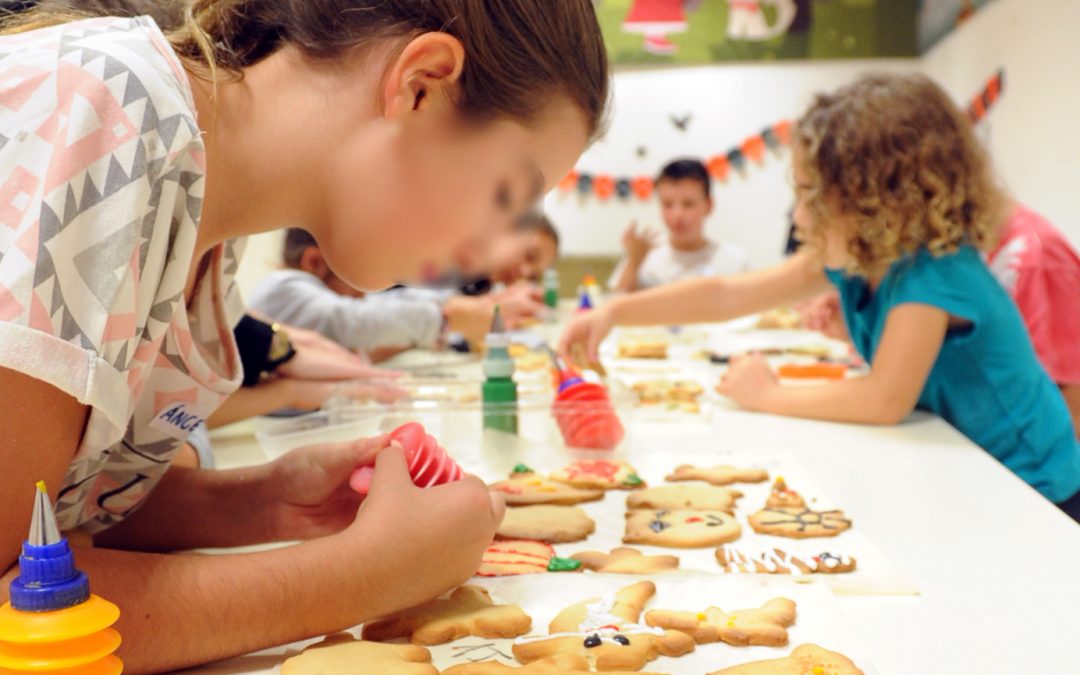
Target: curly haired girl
{"type": "Point", "coordinates": [895, 203]}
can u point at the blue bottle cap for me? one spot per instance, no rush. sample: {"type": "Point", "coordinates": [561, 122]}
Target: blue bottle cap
{"type": "Point", "coordinates": [48, 580]}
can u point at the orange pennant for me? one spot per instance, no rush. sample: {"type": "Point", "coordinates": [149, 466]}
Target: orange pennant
{"type": "Point", "coordinates": [754, 148]}
{"type": "Point", "coordinates": [569, 182]}
{"type": "Point", "coordinates": [783, 132]}
{"type": "Point", "coordinates": [719, 167]}
{"type": "Point", "coordinates": [603, 186]}
{"type": "Point", "coordinates": [643, 187]}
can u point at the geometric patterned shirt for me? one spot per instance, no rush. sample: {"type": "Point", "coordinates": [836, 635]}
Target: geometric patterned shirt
{"type": "Point", "coordinates": [102, 174]}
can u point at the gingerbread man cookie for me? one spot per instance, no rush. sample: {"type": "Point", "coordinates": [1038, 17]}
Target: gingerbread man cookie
{"type": "Point", "coordinates": [718, 475]}
{"type": "Point", "coordinates": [603, 474]}
{"type": "Point", "coordinates": [468, 611]}
{"type": "Point", "coordinates": [783, 497]}
{"type": "Point", "coordinates": [681, 528]}
{"type": "Point", "coordinates": [807, 659]}
{"type": "Point", "coordinates": [560, 663]}
{"type": "Point", "coordinates": [766, 626]}
{"type": "Point", "coordinates": [625, 560]}
{"type": "Point", "coordinates": [703, 497]}
{"type": "Point", "coordinates": [342, 654]}
{"type": "Point", "coordinates": [524, 487]}
{"type": "Point", "coordinates": [775, 561]}
{"type": "Point", "coordinates": [604, 631]}
{"type": "Point", "coordinates": [799, 522]}
{"type": "Point", "coordinates": [557, 524]}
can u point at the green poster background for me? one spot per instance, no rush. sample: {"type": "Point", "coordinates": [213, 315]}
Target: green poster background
{"type": "Point", "coordinates": [822, 29]}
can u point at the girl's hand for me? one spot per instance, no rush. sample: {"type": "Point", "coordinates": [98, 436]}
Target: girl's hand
{"type": "Point", "coordinates": [588, 329]}
{"type": "Point", "coordinates": [318, 358]}
{"type": "Point", "coordinates": [750, 382]}
{"type": "Point", "coordinates": [310, 486]}
{"type": "Point", "coordinates": [825, 315]}
{"type": "Point", "coordinates": [438, 534]}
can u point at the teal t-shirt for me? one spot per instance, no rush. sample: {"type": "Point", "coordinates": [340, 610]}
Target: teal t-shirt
{"type": "Point", "coordinates": [987, 381]}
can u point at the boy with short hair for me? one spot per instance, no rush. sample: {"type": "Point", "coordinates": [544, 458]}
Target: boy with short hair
{"type": "Point", "coordinates": [684, 189]}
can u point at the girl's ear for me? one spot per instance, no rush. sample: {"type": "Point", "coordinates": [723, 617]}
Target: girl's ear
{"type": "Point", "coordinates": [423, 74]}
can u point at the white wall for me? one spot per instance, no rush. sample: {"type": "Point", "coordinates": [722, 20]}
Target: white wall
{"type": "Point", "coordinates": [1034, 134]}
{"type": "Point", "coordinates": [729, 103]}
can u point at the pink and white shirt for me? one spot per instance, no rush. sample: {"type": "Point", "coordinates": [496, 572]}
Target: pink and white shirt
{"type": "Point", "coordinates": [102, 172]}
{"type": "Point", "coordinates": [1036, 265]}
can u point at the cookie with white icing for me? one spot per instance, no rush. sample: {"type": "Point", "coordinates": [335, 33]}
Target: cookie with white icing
{"type": "Point", "coordinates": [782, 496]}
{"type": "Point", "coordinates": [342, 654]}
{"type": "Point", "coordinates": [807, 659]}
{"type": "Point", "coordinates": [776, 561]}
{"type": "Point", "coordinates": [697, 497]}
{"type": "Point", "coordinates": [468, 611]}
{"type": "Point", "coordinates": [545, 522]}
{"type": "Point", "coordinates": [602, 474]}
{"type": "Point", "coordinates": [765, 626]}
{"type": "Point", "coordinates": [625, 560]}
{"type": "Point", "coordinates": [604, 631]}
{"type": "Point", "coordinates": [554, 665]}
{"type": "Point", "coordinates": [681, 528]}
{"type": "Point", "coordinates": [718, 475]}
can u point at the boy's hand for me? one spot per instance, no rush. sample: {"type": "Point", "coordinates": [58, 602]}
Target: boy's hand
{"type": "Point", "coordinates": [437, 535]}
{"type": "Point", "coordinates": [638, 244]}
{"type": "Point", "coordinates": [519, 303]}
{"type": "Point", "coordinates": [310, 486]}
{"type": "Point", "coordinates": [750, 382]}
{"type": "Point", "coordinates": [588, 329]}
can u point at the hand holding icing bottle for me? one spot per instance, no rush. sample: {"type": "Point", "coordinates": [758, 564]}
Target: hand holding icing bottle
{"type": "Point", "coordinates": [429, 463]}
{"type": "Point", "coordinates": [53, 623]}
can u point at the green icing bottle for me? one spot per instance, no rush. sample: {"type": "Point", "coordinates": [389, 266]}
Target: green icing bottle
{"type": "Point", "coordinates": [499, 391]}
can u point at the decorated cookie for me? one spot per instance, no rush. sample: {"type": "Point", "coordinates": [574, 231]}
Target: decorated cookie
{"type": "Point", "coordinates": [604, 474]}
{"type": "Point", "coordinates": [784, 497]}
{"type": "Point", "coordinates": [560, 663]}
{"type": "Point", "coordinates": [557, 524]}
{"type": "Point", "coordinates": [775, 561]}
{"type": "Point", "coordinates": [342, 654]}
{"type": "Point", "coordinates": [681, 528]}
{"type": "Point", "coordinates": [522, 556]}
{"type": "Point", "coordinates": [604, 631]}
{"type": "Point", "coordinates": [766, 626]}
{"type": "Point", "coordinates": [781, 318]}
{"type": "Point", "coordinates": [799, 523]}
{"type": "Point", "coordinates": [698, 497]}
{"type": "Point", "coordinates": [805, 660]}
{"type": "Point", "coordinates": [525, 487]}
{"type": "Point", "coordinates": [681, 395]}
{"type": "Point", "coordinates": [643, 349]}
{"type": "Point", "coordinates": [468, 611]}
{"type": "Point", "coordinates": [718, 475]}
{"type": "Point", "coordinates": [625, 560]}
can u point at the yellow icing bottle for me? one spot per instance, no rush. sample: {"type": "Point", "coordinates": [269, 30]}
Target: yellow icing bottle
{"type": "Point", "coordinates": [53, 623]}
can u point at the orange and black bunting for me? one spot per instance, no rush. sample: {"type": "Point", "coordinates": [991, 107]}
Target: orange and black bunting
{"type": "Point", "coordinates": [774, 137]}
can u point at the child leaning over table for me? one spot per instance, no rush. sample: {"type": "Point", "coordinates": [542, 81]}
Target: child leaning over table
{"type": "Point", "coordinates": [895, 201]}
{"type": "Point", "coordinates": [437, 123]}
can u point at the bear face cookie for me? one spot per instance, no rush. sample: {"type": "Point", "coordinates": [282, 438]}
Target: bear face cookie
{"type": "Point", "coordinates": [556, 524]}
{"type": "Point", "coordinates": [799, 522]}
{"type": "Point", "coordinates": [342, 654]}
{"type": "Point", "coordinates": [524, 487]}
{"type": "Point", "coordinates": [718, 475]}
{"type": "Point", "coordinates": [696, 497]}
{"type": "Point", "coordinates": [561, 663]}
{"type": "Point", "coordinates": [604, 631]}
{"type": "Point", "coordinates": [468, 611]}
{"type": "Point", "coordinates": [807, 659]}
{"type": "Point", "coordinates": [776, 561]}
{"type": "Point", "coordinates": [766, 626]}
{"type": "Point", "coordinates": [625, 560]}
{"type": "Point", "coordinates": [681, 528]}
{"type": "Point", "coordinates": [599, 474]}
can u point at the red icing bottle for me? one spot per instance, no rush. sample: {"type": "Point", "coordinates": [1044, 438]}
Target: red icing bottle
{"type": "Point", "coordinates": [429, 463]}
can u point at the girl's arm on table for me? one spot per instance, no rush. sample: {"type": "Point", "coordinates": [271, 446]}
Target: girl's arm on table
{"type": "Point", "coordinates": [909, 347]}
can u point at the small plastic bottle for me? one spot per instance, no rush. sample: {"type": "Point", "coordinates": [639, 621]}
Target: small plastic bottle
{"type": "Point", "coordinates": [53, 623]}
{"type": "Point", "coordinates": [551, 287]}
{"type": "Point", "coordinates": [499, 391]}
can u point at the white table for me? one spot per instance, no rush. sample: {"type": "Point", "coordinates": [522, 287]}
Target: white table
{"type": "Point", "coordinates": [997, 564]}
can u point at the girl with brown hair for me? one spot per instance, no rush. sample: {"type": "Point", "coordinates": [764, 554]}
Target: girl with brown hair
{"type": "Point", "coordinates": [132, 162]}
{"type": "Point", "coordinates": [895, 203]}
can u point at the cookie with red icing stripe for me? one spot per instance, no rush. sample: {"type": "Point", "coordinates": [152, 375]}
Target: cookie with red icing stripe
{"type": "Point", "coordinates": [603, 474]}
{"type": "Point", "coordinates": [512, 557]}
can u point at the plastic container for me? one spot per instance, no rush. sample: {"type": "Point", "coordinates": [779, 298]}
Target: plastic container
{"type": "Point", "coordinates": [336, 424]}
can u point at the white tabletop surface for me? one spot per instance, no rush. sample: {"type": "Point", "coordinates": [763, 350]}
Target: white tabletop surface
{"type": "Point", "coordinates": [998, 565]}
